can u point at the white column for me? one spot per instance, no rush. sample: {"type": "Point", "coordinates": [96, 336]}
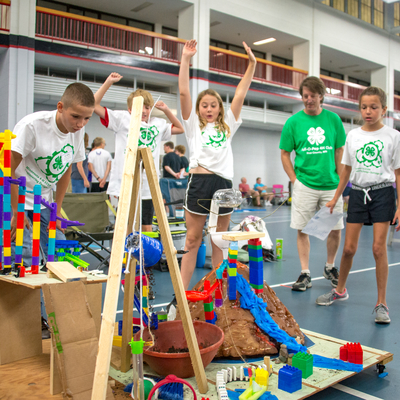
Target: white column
{"type": "Point", "coordinates": [17, 65]}
{"type": "Point", "coordinates": [269, 67]}
{"type": "Point", "coordinates": [157, 41]}
{"type": "Point", "coordinates": [194, 23]}
{"type": "Point", "coordinates": [384, 79]}
{"type": "Point", "coordinates": [346, 88]}
{"type": "Point", "coordinates": [301, 60]}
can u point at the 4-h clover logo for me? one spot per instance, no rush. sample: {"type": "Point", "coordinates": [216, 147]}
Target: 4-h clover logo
{"type": "Point", "coordinates": [216, 139]}
{"type": "Point", "coordinates": [148, 137]}
{"type": "Point", "coordinates": [370, 154]}
{"type": "Point", "coordinates": [316, 136]}
{"type": "Point", "coordinates": [55, 165]}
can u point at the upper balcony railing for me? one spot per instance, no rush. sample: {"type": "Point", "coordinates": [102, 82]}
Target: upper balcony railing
{"type": "Point", "coordinates": [4, 15]}
{"type": "Point", "coordinates": [342, 89]}
{"type": "Point", "coordinates": [227, 61]}
{"type": "Point", "coordinates": [62, 26]}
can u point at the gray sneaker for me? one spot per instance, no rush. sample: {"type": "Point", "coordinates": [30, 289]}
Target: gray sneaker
{"type": "Point", "coordinates": [302, 283]}
{"type": "Point", "coordinates": [332, 275]}
{"type": "Point", "coordinates": [382, 314]}
{"type": "Point", "coordinates": [328, 298]}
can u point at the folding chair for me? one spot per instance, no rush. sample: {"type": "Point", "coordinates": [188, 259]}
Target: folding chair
{"type": "Point", "coordinates": [91, 209]}
{"type": "Point", "coordinates": [280, 194]}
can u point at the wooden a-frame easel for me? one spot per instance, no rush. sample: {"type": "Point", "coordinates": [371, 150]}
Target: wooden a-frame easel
{"type": "Point", "coordinates": [126, 211]}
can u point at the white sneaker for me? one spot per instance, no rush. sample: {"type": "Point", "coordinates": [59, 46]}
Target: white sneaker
{"type": "Point", "coordinates": [268, 204]}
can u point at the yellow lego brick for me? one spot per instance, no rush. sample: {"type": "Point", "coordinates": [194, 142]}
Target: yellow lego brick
{"type": "Point", "coordinates": [52, 234]}
{"type": "Point", "coordinates": [7, 251]}
{"type": "Point", "coordinates": [232, 251]}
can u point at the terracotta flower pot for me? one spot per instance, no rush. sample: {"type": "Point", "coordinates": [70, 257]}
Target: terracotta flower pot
{"type": "Point", "coordinates": [170, 354]}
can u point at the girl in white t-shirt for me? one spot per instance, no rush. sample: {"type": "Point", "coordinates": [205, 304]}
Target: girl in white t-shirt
{"type": "Point", "coordinates": [371, 160]}
{"type": "Point", "coordinates": [209, 135]}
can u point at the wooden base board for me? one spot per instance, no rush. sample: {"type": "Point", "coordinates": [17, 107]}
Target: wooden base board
{"type": "Point", "coordinates": [320, 379]}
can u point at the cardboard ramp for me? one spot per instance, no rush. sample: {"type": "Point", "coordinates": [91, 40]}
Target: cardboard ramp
{"type": "Point", "coordinates": [74, 338]}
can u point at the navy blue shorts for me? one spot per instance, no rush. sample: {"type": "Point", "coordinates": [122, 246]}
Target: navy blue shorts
{"type": "Point", "coordinates": [381, 207]}
{"type": "Point", "coordinates": [200, 190]}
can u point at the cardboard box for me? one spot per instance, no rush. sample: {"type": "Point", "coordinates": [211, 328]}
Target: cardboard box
{"type": "Point", "coordinates": [74, 337]}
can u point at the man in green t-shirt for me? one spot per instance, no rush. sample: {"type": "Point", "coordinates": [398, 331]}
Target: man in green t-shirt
{"type": "Point", "coordinates": [317, 137]}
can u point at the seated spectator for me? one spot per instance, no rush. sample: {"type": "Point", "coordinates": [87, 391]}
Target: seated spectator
{"type": "Point", "coordinates": [171, 162]}
{"type": "Point", "coordinates": [247, 192]}
{"type": "Point", "coordinates": [262, 189]}
{"type": "Point", "coordinates": [180, 150]}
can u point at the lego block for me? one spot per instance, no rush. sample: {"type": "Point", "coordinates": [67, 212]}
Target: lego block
{"type": "Point", "coordinates": [352, 352]}
{"type": "Point", "coordinates": [304, 362]}
{"type": "Point", "coordinates": [255, 252]}
{"type": "Point", "coordinates": [289, 379]}
{"type": "Point", "coordinates": [256, 259]}
{"type": "Point", "coordinates": [254, 242]}
{"type": "Point", "coordinates": [343, 353]}
{"type": "Point", "coordinates": [254, 286]}
{"type": "Point", "coordinates": [209, 315]}
{"type": "Point", "coordinates": [208, 306]}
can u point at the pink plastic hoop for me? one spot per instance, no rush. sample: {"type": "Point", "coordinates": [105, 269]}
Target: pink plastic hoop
{"type": "Point", "coordinates": [171, 379]}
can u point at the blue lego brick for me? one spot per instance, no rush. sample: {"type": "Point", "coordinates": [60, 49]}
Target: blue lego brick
{"type": "Point", "coordinates": [255, 253]}
{"type": "Point", "coordinates": [289, 379]}
{"type": "Point", "coordinates": [234, 246]}
{"type": "Point", "coordinates": [256, 264]}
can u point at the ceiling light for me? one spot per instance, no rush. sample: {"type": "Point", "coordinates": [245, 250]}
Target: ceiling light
{"type": "Point", "coordinates": [269, 40]}
{"type": "Point", "coordinates": [142, 6]}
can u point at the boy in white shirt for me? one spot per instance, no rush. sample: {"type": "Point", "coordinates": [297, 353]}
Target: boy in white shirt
{"type": "Point", "coordinates": [152, 132]}
{"type": "Point", "coordinates": [47, 143]}
{"type": "Point", "coordinates": [99, 165]}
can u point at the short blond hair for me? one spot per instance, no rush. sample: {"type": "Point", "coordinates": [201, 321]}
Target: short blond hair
{"type": "Point", "coordinates": [98, 142]}
{"type": "Point", "coordinates": [147, 98]}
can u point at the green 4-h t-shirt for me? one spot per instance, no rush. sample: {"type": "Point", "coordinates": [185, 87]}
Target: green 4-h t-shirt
{"type": "Point", "coordinates": [314, 139]}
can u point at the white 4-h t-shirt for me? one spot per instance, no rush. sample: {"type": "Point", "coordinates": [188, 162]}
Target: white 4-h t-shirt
{"type": "Point", "coordinates": [210, 148]}
{"type": "Point", "coordinates": [100, 158]}
{"type": "Point", "coordinates": [372, 156]}
{"type": "Point", "coordinates": [46, 152]}
{"type": "Point", "coordinates": [151, 135]}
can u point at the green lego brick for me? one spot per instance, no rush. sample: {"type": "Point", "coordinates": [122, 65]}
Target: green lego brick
{"type": "Point", "coordinates": [304, 362]}
{"type": "Point", "coordinates": [208, 306]}
{"type": "Point", "coordinates": [258, 259]}
{"type": "Point", "coordinates": [251, 246]}
{"type": "Point", "coordinates": [257, 286]}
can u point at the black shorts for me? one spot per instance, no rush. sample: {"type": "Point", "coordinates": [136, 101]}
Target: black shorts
{"type": "Point", "coordinates": [200, 190]}
{"type": "Point", "coordinates": [147, 212]}
{"type": "Point", "coordinates": [381, 207]}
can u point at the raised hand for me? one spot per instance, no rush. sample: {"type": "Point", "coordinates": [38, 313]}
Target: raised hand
{"type": "Point", "coordinates": [160, 105]}
{"type": "Point", "coordinates": [190, 49]}
{"type": "Point", "coordinates": [114, 77]}
{"type": "Point", "coordinates": [249, 53]}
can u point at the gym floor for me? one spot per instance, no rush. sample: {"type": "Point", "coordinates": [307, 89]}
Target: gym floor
{"type": "Point", "coordinates": [351, 320]}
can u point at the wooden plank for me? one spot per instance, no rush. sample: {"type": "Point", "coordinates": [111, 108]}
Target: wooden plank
{"type": "Point", "coordinates": [36, 281]}
{"type": "Point", "coordinates": [129, 289]}
{"type": "Point", "coordinates": [174, 271]}
{"type": "Point", "coordinates": [114, 272]}
{"type": "Point", "coordinates": [65, 271]}
{"type": "Point", "coordinates": [235, 236]}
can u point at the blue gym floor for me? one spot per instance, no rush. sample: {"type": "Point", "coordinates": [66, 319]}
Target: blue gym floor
{"type": "Point", "coordinates": [351, 320]}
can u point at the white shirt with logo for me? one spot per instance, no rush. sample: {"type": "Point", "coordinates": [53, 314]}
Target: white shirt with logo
{"type": "Point", "coordinates": [372, 156]}
{"type": "Point", "coordinates": [46, 152]}
{"type": "Point", "coordinates": [99, 158]}
{"type": "Point", "coordinates": [210, 148]}
{"type": "Point", "coordinates": [151, 135]}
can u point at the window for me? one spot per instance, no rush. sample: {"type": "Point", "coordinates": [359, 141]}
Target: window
{"type": "Point", "coordinates": [169, 31]}
{"type": "Point", "coordinates": [378, 13]}
{"type": "Point", "coordinates": [366, 10]}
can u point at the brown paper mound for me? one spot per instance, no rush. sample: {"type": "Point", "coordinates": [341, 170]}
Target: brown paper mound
{"type": "Point", "coordinates": [242, 336]}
